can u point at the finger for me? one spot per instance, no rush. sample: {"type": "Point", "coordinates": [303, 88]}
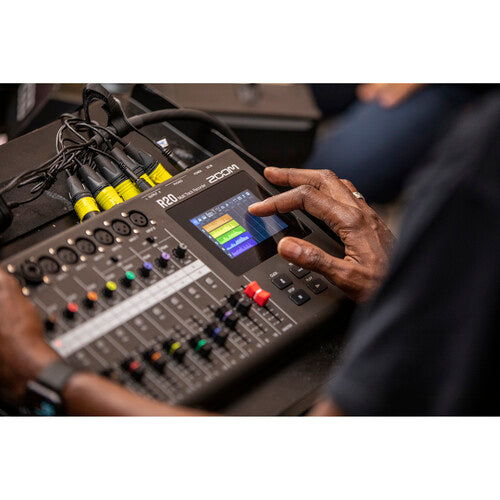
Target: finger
{"type": "Point", "coordinates": [361, 202]}
{"type": "Point", "coordinates": [301, 198]}
{"type": "Point", "coordinates": [352, 188]}
{"type": "Point", "coordinates": [323, 180]}
{"type": "Point", "coordinates": [395, 94]}
{"type": "Point", "coordinates": [335, 213]}
{"type": "Point", "coordinates": [349, 185]}
{"type": "Point", "coordinates": [391, 94]}
{"type": "Point", "coordinates": [391, 98]}
{"type": "Point", "coordinates": [294, 177]}
{"type": "Point", "coordinates": [305, 254]}
{"type": "Point", "coordinates": [368, 91]}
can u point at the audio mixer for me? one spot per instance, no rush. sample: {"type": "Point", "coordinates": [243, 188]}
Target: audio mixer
{"type": "Point", "coordinates": [179, 292]}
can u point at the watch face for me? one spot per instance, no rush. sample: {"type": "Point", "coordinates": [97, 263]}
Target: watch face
{"type": "Point", "coordinates": [45, 409]}
{"type": "Point", "coordinates": [41, 401]}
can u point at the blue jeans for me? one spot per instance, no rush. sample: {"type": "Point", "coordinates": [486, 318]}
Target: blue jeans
{"type": "Point", "coordinates": [376, 148]}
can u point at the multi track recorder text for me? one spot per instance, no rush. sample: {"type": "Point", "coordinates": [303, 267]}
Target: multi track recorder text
{"type": "Point", "coordinates": [179, 291]}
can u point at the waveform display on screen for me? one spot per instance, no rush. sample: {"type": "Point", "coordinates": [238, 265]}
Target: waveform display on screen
{"type": "Point", "coordinates": [233, 229]}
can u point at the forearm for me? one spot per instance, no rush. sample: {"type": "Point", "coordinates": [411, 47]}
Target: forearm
{"type": "Point", "coordinates": [89, 394]}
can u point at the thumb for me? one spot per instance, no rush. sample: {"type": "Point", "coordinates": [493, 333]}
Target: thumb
{"type": "Point", "coordinates": [305, 254]}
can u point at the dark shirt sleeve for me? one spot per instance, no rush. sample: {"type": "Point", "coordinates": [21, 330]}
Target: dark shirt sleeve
{"type": "Point", "coordinates": [428, 343]}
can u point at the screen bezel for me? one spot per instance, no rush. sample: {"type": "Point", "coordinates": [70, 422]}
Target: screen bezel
{"type": "Point", "coordinates": [220, 192]}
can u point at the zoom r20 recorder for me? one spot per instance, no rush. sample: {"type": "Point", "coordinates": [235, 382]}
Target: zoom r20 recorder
{"type": "Point", "coordinates": [179, 291]}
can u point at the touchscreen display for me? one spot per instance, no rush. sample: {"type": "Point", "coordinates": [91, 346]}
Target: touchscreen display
{"type": "Point", "coordinates": [218, 218]}
{"type": "Point", "coordinates": [232, 228]}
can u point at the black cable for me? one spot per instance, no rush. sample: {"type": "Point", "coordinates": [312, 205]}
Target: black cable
{"type": "Point", "coordinates": [96, 128]}
{"type": "Point", "coordinates": [13, 182]}
{"type": "Point", "coordinates": [105, 153]}
{"type": "Point", "coordinates": [154, 143]}
{"type": "Point", "coordinates": [15, 204]}
{"type": "Point", "coordinates": [70, 127]}
{"type": "Point", "coordinates": [163, 115]}
{"type": "Point", "coordinates": [106, 130]}
{"type": "Point", "coordinates": [46, 173]}
{"type": "Point", "coordinates": [67, 156]}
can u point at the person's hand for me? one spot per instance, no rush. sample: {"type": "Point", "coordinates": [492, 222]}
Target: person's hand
{"type": "Point", "coordinates": [367, 239]}
{"type": "Point", "coordinates": [388, 95]}
{"type": "Point", "coordinates": [23, 352]}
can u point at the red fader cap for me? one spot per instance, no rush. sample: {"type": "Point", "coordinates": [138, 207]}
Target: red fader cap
{"type": "Point", "coordinates": [255, 292]}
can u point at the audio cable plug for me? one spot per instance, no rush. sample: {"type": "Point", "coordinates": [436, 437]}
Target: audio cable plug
{"type": "Point", "coordinates": [156, 171]}
{"type": "Point", "coordinates": [115, 176]}
{"type": "Point", "coordinates": [85, 206]}
{"type": "Point", "coordinates": [101, 190]}
{"type": "Point", "coordinates": [139, 183]}
{"type": "Point", "coordinates": [127, 163]}
{"type": "Point", "coordinates": [174, 158]}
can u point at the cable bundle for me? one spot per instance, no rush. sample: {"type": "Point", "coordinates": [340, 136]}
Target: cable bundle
{"type": "Point", "coordinates": [97, 161]}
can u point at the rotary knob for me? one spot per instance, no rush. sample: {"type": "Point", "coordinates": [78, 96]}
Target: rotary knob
{"type": "Point", "coordinates": [180, 250]}
{"type": "Point", "coordinates": [200, 346]}
{"type": "Point", "coordinates": [134, 368]}
{"type": "Point", "coordinates": [212, 330]}
{"type": "Point", "coordinates": [90, 300]}
{"type": "Point", "coordinates": [109, 289]}
{"type": "Point", "coordinates": [164, 259]}
{"type": "Point", "coordinates": [146, 269]}
{"type": "Point", "coordinates": [226, 316]}
{"type": "Point", "coordinates": [71, 310]}
{"type": "Point", "coordinates": [156, 359]}
{"type": "Point", "coordinates": [128, 279]}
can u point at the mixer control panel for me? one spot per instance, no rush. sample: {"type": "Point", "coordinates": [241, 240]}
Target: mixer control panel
{"type": "Point", "coordinates": [179, 291]}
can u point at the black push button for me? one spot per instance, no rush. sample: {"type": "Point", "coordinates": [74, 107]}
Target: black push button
{"type": "Point", "coordinates": [281, 281]}
{"type": "Point", "coordinates": [299, 297]}
{"type": "Point", "coordinates": [317, 285]}
{"type": "Point", "coordinates": [300, 272]}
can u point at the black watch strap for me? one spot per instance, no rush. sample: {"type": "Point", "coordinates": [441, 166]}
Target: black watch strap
{"type": "Point", "coordinates": [55, 376]}
{"type": "Point", "coordinates": [44, 395]}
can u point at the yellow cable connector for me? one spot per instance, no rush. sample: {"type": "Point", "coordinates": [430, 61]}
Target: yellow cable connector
{"type": "Point", "coordinates": [86, 208]}
{"type": "Point", "coordinates": [159, 174]}
{"type": "Point", "coordinates": [147, 179]}
{"type": "Point", "coordinates": [127, 189]}
{"type": "Point", "coordinates": [101, 190]}
{"type": "Point", "coordinates": [108, 198]}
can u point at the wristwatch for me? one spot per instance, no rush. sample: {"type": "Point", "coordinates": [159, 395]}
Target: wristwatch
{"type": "Point", "coordinates": [44, 395]}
